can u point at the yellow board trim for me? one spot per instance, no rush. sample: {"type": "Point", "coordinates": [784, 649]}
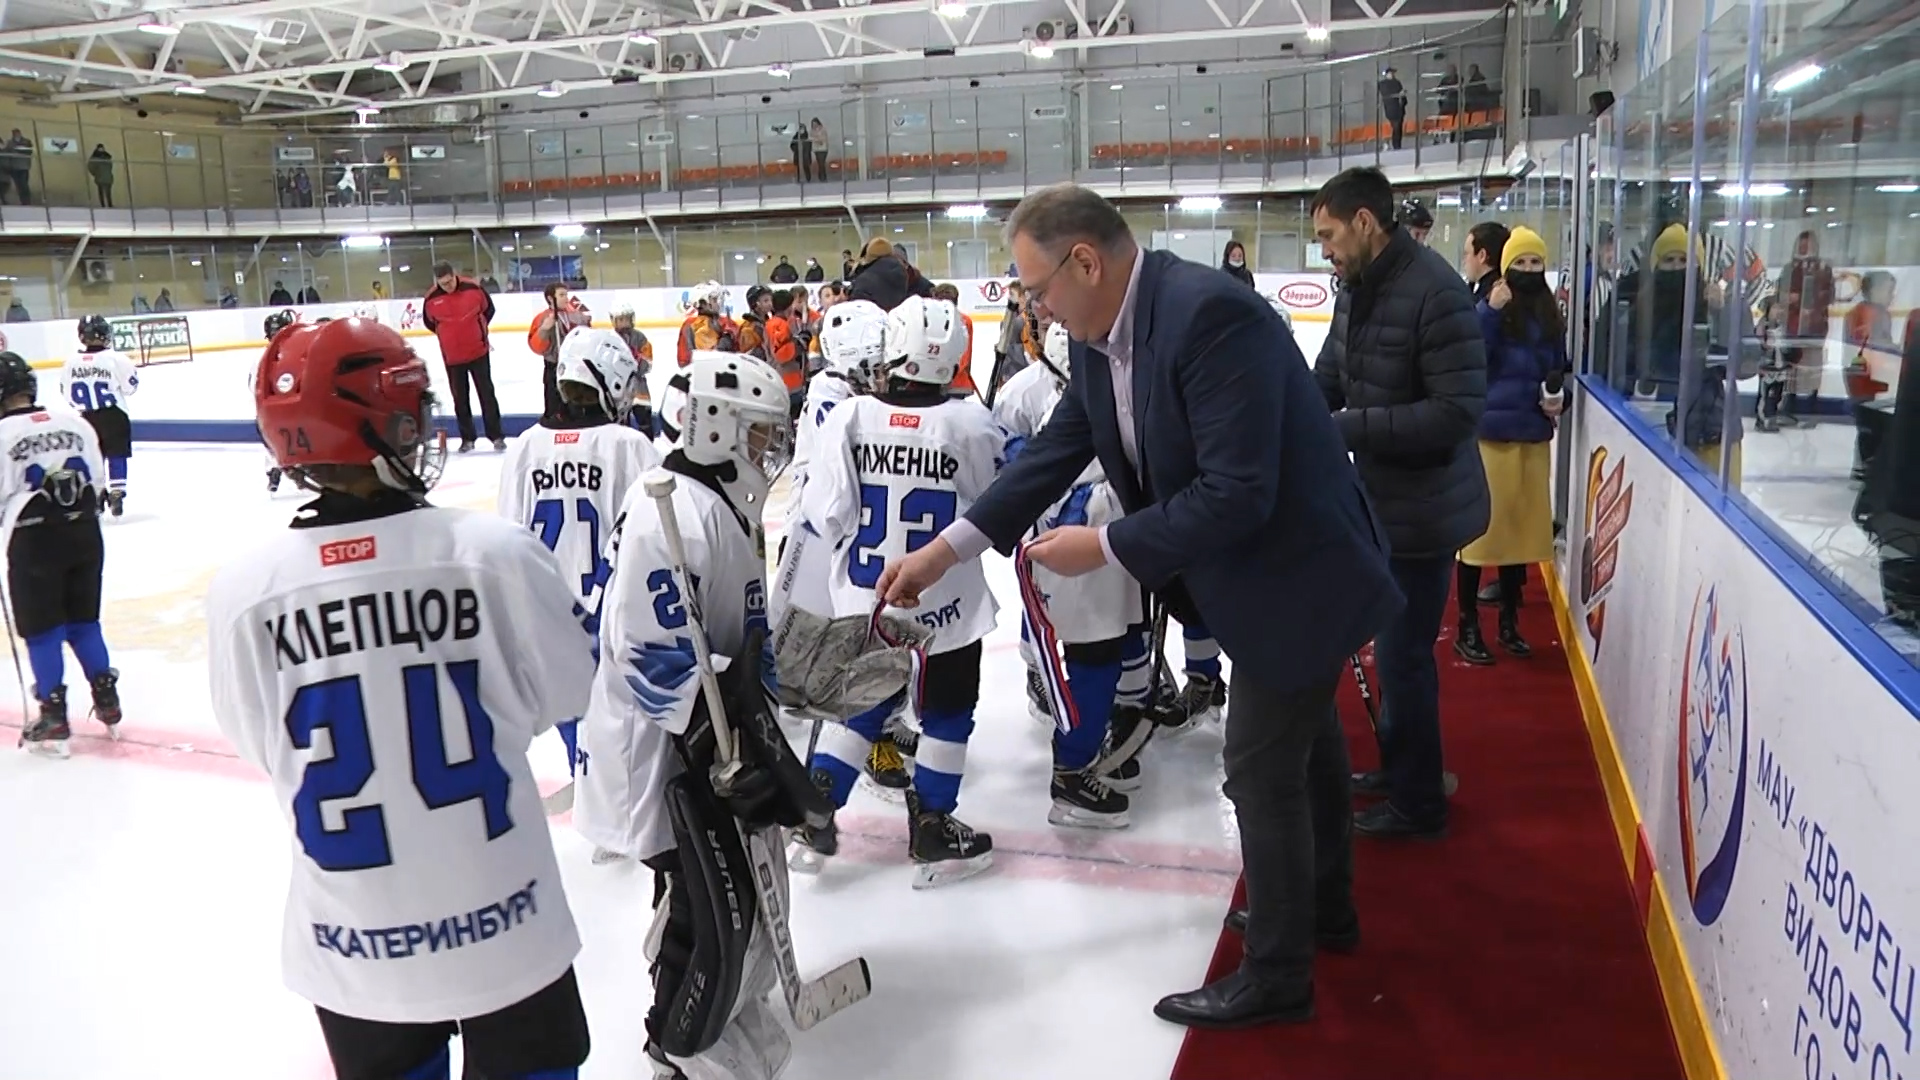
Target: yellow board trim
{"type": "Point", "coordinates": [1686, 1013]}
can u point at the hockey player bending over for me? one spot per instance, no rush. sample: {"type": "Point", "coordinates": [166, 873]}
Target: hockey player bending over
{"type": "Point", "coordinates": [894, 469]}
{"type": "Point", "coordinates": [97, 381]}
{"type": "Point", "coordinates": [566, 477]}
{"type": "Point", "coordinates": [1097, 617]}
{"type": "Point", "coordinates": [646, 790]}
{"type": "Point", "coordinates": [275, 323]}
{"type": "Point", "coordinates": [52, 497]}
{"type": "Point", "coordinates": [387, 663]}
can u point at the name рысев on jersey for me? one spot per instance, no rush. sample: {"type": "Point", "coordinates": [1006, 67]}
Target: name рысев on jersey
{"type": "Point", "coordinates": [452, 932]}
{"type": "Point", "coordinates": [428, 618]}
{"type": "Point", "coordinates": [46, 442]}
{"type": "Point", "coordinates": [567, 474]}
{"type": "Point", "coordinates": [911, 462]}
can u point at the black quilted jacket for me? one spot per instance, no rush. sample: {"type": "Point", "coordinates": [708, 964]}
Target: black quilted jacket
{"type": "Point", "coordinates": [1405, 370]}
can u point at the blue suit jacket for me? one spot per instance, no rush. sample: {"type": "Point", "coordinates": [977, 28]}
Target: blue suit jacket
{"type": "Point", "coordinates": [1248, 495]}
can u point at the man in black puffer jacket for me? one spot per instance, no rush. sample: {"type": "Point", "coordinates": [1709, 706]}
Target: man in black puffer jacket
{"type": "Point", "coordinates": [1405, 371]}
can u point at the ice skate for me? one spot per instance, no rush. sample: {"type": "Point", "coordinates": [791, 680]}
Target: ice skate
{"type": "Point", "coordinates": [811, 847]}
{"type": "Point", "coordinates": [49, 732]}
{"type": "Point", "coordinates": [499, 446]}
{"type": "Point", "coordinates": [106, 700]}
{"type": "Point", "coordinates": [1202, 701]}
{"type": "Point", "coordinates": [886, 771]}
{"type": "Point", "coordinates": [273, 481]}
{"type": "Point", "coordinates": [116, 502]}
{"type": "Point", "coordinates": [602, 856]}
{"type": "Point", "coordinates": [1119, 762]}
{"type": "Point", "coordinates": [1038, 706]}
{"type": "Point", "coordinates": [944, 848]}
{"type": "Point", "coordinates": [1082, 800]}
{"type": "Point", "coordinates": [466, 446]}
{"type": "Point", "coordinates": [905, 740]}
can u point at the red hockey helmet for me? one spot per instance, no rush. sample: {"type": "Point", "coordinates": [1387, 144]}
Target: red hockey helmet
{"type": "Point", "coordinates": [348, 392]}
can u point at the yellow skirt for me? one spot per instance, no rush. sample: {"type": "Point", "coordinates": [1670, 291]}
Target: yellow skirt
{"type": "Point", "coordinates": [1710, 460]}
{"type": "Point", "coordinates": [1520, 529]}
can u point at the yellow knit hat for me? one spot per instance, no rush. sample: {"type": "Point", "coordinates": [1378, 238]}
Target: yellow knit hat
{"type": "Point", "coordinates": [1673, 241]}
{"type": "Point", "coordinates": [1522, 241]}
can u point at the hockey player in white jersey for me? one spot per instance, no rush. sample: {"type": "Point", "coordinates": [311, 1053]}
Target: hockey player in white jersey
{"type": "Point", "coordinates": [97, 381]}
{"type": "Point", "coordinates": [387, 663]}
{"type": "Point", "coordinates": [646, 742]}
{"type": "Point", "coordinates": [51, 495]}
{"type": "Point", "coordinates": [274, 323]}
{"type": "Point", "coordinates": [566, 477]}
{"type": "Point", "coordinates": [894, 469]}
{"type": "Point", "coordinates": [1097, 617]}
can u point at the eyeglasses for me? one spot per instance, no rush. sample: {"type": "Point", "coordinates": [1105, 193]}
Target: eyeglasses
{"type": "Point", "coordinates": [1037, 294]}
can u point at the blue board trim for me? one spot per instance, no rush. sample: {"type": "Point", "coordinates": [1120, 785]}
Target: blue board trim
{"type": "Point", "coordinates": [1845, 613]}
{"type": "Point", "coordinates": [243, 431]}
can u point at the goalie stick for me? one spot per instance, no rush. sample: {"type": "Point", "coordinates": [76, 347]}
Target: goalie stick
{"type": "Point", "coordinates": [850, 983]}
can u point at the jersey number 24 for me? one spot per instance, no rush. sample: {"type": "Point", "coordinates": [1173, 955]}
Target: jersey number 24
{"type": "Point", "coordinates": [360, 843]}
{"type": "Point", "coordinates": [924, 512]}
{"type": "Point", "coordinates": [88, 396]}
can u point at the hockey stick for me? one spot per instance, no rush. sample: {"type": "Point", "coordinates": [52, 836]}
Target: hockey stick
{"type": "Point", "coordinates": [1448, 781]}
{"type": "Point", "coordinates": [850, 983]}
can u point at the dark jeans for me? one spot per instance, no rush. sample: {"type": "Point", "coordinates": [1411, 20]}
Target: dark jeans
{"type": "Point", "coordinates": [1410, 689]}
{"type": "Point", "coordinates": [1397, 126]}
{"type": "Point", "coordinates": [480, 374]}
{"type": "Point", "coordinates": [1287, 775]}
{"type": "Point", "coordinates": [549, 375]}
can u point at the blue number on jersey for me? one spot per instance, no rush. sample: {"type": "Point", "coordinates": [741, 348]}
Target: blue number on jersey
{"type": "Point", "coordinates": [929, 508]}
{"type": "Point", "coordinates": [95, 395]}
{"type": "Point", "coordinates": [338, 705]}
{"type": "Point", "coordinates": [550, 516]}
{"type": "Point", "coordinates": [669, 608]}
{"type": "Point", "coordinates": [37, 475]}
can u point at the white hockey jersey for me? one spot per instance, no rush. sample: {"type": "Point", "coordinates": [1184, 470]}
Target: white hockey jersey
{"type": "Point", "coordinates": [566, 484]}
{"type": "Point", "coordinates": [648, 683]}
{"type": "Point", "coordinates": [824, 391]}
{"type": "Point", "coordinates": [1092, 607]}
{"type": "Point", "coordinates": [889, 478]}
{"type": "Point", "coordinates": [98, 380]}
{"type": "Point", "coordinates": [39, 442]}
{"type": "Point", "coordinates": [388, 675]}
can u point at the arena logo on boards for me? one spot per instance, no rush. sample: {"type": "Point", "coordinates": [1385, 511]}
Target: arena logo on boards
{"type": "Point", "coordinates": [993, 292]}
{"type": "Point", "coordinates": [1609, 507]}
{"type": "Point", "coordinates": [1713, 754]}
{"type": "Point", "coordinates": [1304, 294]}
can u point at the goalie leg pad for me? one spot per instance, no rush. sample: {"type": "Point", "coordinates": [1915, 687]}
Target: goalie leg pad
{"type": "Point", "coordinates": [710, 914]}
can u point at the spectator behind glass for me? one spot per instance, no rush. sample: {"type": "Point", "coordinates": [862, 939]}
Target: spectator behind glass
{"type": "Point", "coordinates": [818, 131]}
{"type": "Point", "coordinates": [1872, 354]}
{"type": "Point", "coordinates": [1234, 262]}
{"type": "Point", "coordinates": [1807, 292]}
{"type": "Point", "coordinates": [1481, 264]}
{"type": "Point", "coordinates": [1525, 338]}
{"type": "Point", "coordinates": [784, 273]}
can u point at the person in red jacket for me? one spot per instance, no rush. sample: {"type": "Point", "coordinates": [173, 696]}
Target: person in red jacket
{"type": "Point", "coordinates": [458, 311]}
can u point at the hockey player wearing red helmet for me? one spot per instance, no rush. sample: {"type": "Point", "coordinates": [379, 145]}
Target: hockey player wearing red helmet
{"type": "Point", "coordinates": [388, 622]}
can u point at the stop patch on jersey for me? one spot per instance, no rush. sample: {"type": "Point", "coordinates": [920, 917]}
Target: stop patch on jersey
{"type": "Point", "coordinates": [341, 552]}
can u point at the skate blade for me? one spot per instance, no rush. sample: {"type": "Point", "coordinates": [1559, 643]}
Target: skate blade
{"type": "Point", "coordinates": [113, 730]}
{"type": "Point", "coordinates": [601, 857]}
{"type": "Point", "coordinates": [802, 859]}
{"type": "Point", "coordinates": [892, 795]}
{"type": "Point", "coordinates": [57, 750]}
{"type": "Point", "coordinates": [1068, 816]}
{"type": "Point", "coordinates": [936, 875]}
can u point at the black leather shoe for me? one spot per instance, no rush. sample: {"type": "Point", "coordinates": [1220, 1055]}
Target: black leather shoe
{"type": "Point", "coordinates": [1343, 936]}
{"type": "Point", "coordinates": [1370, 785]}
{"type": "Point", "coordinates": [1236, 1001]}
{"type": "Point", "coordinates": [1383, 822]}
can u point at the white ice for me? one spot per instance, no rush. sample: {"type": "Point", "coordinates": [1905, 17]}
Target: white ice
{"type": "Point", "coordinates": [145, 879]}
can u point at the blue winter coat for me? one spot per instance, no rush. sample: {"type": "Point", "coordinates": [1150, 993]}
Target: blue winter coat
{"type": "Point", "coordinates": [1515, 372]}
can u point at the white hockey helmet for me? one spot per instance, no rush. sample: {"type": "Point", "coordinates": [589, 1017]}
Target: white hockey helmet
{"type": "Point", "coordinates": [710, 296]}
{"type": "Point", "coordinates": [924, 341]}
{"type": "Point", "coordinates": [622, 309]}
{"type": "Point", "coordinates": [600, 361]}
{"type": "Point", "coordinates": [1055, 351]}
{"type": "Point", "coordinates": [853, 340]}
{"type": "Point", "coordinates": [736, 413]}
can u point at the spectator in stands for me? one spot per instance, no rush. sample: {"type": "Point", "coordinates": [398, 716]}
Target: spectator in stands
{"type": "Point", "coordinates": [1404, 370]}
{"type": "Point", "coordinates": [562, 313]}
{"type": "Point", "coordinates": [1525, 336]}
{"type": "Point", "coordinates": [229, 301]}
{"type": "Point", "coordinates": [1807, 284]}
{"type": "Point", "coordinates": [815, 272]}
{"type": "Point", "coordinates": [163, 303]}
{"type": "Point", "coordinates": [818, 131]}
{"type": "Point", "coordinates": [802, 146]}
{"type": "Point", "coordinates": [279, 297]}
{"type": "Point", "coordinates": [962, 384]}
{"type": "Point", "coordinates": [302, 188]}
{"type": "Point", "coordinates": [17, 311]}
{"type": "Point", "coordinates": [1393, 104]}
{"type": "Point", "coordinates": [1234, 262]}
{"type": "Point", "coordinates": [784, 273]}
{"type": "Point", "coordinates": [18, 154]}
{"type": "Point", "coordinates": [100, 169]}
{"type": "Point", "coordinates": [310, 295]}
{"type": "Point", "coordinates": [1485, 243]}
{"type": "Point", "coordinates": [846, 264]}
{"type": "Point", "coordinates": [458, 312]}
{"type": "Point", "coordinates": [1449, 93]}
{"type": "Point", "coordinates": [1478, 97]}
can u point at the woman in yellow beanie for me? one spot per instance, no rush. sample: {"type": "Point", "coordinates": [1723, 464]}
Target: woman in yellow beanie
{"type": "Point", "coordinates": [1526, 370]}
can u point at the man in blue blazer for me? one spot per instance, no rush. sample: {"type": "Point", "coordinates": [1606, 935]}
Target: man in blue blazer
{"type": "Point", "coordinates": [1242, 510]}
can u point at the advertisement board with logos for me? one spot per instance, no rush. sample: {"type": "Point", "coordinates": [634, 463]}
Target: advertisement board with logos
{"type": "Point", "coordinates": [1768, 761]}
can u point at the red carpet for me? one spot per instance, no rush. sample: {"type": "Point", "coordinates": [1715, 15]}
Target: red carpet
{"type": "Point", "coordinates": [1511, 950]}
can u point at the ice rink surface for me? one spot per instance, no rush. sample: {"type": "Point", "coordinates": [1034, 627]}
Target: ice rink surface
{"type": "Point", "coordinates": [146, 877]}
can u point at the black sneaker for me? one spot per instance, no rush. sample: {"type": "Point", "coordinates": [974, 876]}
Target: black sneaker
{"type": "Point", "coordinates": [1382, 822]}
{"type": "Point", "coordinates": [1510, 638]}
{"type": "Point", "coordinates": [1469, 646]}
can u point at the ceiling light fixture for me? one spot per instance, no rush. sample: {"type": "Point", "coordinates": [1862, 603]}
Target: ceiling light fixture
{"type": "Point", "coordinates": [780, 71]}
{"type": "Point", "coordinates": [1797, 78]}
{"type": "Point", "coordinates": [394, 63]}
{"type": "Point", "coordinates": [1898, 189]}
{"type": "Point", "coordinates": [189, 88]}
{"type": "Point", "coordinates": [553, 89]}
{"type": "Point", "coordinates": [1039, 50]}
{"type": "Point", "coordinates": [951, 9]}
{"type": "Point", "coordinates": [1753, 191]}
{"type": "Point", "coordinates": [1317, 33]}
{"type": "Point", "coordinates": [641, 37]}
{"type": "Point", "coordinates": [363, 241]}
{"type": "Point", "coordinates": [1116, 86]}
{"type": "Point", "coordinates": [967, 211]}
{"type": "Point", "coordinates": [1201, 204]}
{"type": "Point", "coordinates": [160, 24]}
{"type": "Point", "coordinates": [569, 232]}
